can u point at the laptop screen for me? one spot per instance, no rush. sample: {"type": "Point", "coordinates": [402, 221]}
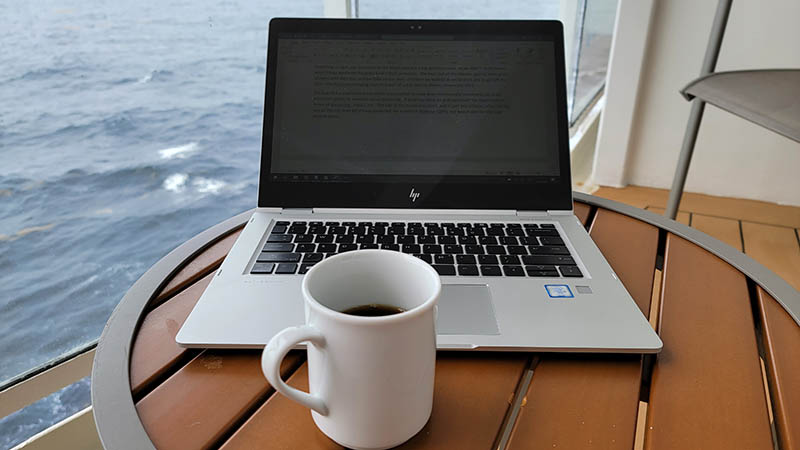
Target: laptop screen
{"type": "Point", "coordinates": [453, 106]}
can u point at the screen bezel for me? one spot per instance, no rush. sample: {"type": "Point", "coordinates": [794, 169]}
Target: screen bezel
{"type": "Point", "coordinates": [439, 193]}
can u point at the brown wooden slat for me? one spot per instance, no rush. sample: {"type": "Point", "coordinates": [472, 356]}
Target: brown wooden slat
{"type": "Point", "coordinates": [630, 247]}
{"type": "Point", "coordinates": [775, 247]}
{"type": "Point", "coordinates": [726, 230]}
{"type": "Point", "coordinates": [682, 217]}
{"type": "Point", "coordinates": [581, 211]}
{"type": "Point", "coordinates": [471, 396]}
{"type": "Point", "coordinates": [706, 390]}
{"type": "Point", "coordinates": [199, 266]}
{"type": "Point", "coordinates": [199, 404]}
{"type": "Point", "coordinates": [582, 401]}
{"type": "Point", "coordinates": [154, 348]}
{"type": "Point", "coordinates": [782, 345]}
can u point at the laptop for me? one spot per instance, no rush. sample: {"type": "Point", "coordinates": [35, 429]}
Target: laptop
{"type": "Point", "coordinates": [447, 140]}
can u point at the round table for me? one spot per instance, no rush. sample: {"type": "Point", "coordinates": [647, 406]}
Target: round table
{"type": "Point", "coordinates": [728, 376]}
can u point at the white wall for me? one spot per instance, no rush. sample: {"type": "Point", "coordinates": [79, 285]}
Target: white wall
{"type": "Point", "coordinates": [732, 157]}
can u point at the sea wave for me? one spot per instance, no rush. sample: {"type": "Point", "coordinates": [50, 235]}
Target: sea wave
{"type": "Point", "coordinates": [176, 182]}
{"type": "Point", "coordinates": [208, 185]}
{"type": "Point", "coordinates": [181, 151]}
{"type": "Point", "coordinates": [155, 74]}
{"type": "Point", "coordinates": [26, 231]}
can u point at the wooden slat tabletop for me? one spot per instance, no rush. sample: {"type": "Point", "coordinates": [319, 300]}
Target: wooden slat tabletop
{"type": "Point", "coordinates": [704, 390]}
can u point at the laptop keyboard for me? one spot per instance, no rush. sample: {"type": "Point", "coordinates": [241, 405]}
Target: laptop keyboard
{"type": "Point", "coordinates": [466, 249]}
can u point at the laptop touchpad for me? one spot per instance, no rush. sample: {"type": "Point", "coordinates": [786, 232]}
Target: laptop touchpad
{"type": "Point", "coordinates": [466, 309]}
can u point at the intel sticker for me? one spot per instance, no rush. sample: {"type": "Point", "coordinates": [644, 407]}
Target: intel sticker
{"type": "Point", "coordinates": [558, 291]}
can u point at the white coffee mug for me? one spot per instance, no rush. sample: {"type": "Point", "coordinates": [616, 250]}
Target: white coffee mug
{"type": "Point", "coordinates": [370, 378]}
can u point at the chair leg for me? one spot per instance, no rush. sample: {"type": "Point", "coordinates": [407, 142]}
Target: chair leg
{"type": "Point", "coordinates": [685, 158]}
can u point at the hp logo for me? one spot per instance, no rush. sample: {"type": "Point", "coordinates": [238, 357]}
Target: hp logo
{"type": "Point", "coordinates": [413, 195]}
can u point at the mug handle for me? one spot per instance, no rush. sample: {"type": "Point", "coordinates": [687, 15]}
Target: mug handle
{"type": "Point", "coordinates": [273, 355]}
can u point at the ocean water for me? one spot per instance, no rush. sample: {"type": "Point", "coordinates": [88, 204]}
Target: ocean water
{"type": "Point", "coordinates": [125, 129]}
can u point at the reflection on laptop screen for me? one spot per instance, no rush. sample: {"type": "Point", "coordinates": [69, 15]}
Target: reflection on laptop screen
{"type": "Point", "coordinates": [395, 105]}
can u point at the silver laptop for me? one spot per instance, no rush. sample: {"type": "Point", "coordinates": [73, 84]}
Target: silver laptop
{"type": "Point", "coordinates": [442, 139]}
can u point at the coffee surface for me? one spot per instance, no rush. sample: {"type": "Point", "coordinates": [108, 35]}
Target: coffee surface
{"type": "Point", "coordinates": [373, 310]}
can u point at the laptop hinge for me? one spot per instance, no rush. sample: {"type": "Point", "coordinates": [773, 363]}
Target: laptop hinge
{"type": "Point", "coordinates": [560, 212]}
{"type": "Point", "coordinates": [531, 213]}
{"type": "Point", "coordinates": [300, 211]}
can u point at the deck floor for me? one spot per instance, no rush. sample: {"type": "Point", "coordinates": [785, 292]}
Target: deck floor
{"type": "Point", "coordinates": [767, 232]}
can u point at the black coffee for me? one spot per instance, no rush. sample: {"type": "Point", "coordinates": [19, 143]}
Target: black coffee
{"type": "Point", "coordinates": [373, 310]}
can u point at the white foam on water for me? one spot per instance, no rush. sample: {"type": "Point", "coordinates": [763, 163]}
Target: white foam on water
{"type": "Point", "coordinates": [181, 151]}
{"type": "Point", "coordinates": [176, 182]}
{"type": "Point", "coordinates": [208, 185]}
{"type": "Point", "coordinates": [146, 78]}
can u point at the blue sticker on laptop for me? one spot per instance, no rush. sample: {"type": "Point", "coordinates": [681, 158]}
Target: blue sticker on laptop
{"type": "Point", "coordinates": [558, 291]}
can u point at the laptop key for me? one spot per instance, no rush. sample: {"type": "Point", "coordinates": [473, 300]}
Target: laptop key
{"type": "Point", "coordinates": [487, 260]}
{"type": "Point", "coordinates": [286, 268]}
{"type": "Point", "coordinates": [547, 225]}
{"type": "Point", "coordinates": [531, 225]}
{"type": "Point", "coordinates": [323, 239]}
{"type": "Point", "coordinates": [388, 239]}
{"type": "Point", "coordinates": [262, 268]}
{"type": "Point", "coordinates": [444, 269]}
{"type": "Point", "coordinates": [551, 240]}
{"type": "Point", "coordinates": [406, 240]}
{"type": "Point", "coordinates": [305, 268]}
{"type": "Point", "coordinates": [509, 260]}
{"type": "Point", "coordinates": [548, 259]}
{"type": "Point", "coordinates": [369, 246]}
{"type": "Point", "coordinates": [541, 268]}
{"type": "Point", "coordinates": [279, 229]}
{"type": "Point", "coordinates": [464, 240]}
{"type": "Point", "coordinates": [312, 257]}
{"type": "Point", "coordinates": [279, 257]}
{"type": "Point", "coordinates": [326, 248]}
{"type": "Point", "coordinates": [348, 224]}
{"type": "Point", "coordinates": [280, 238]}
{"type": "Point", "coordinates": [513, 271]}
{"type": "Point", "coordinates": [443, 259]}
{"type": "Point", "coordinates": [347, 247]}
{"type": "Point", "coordinates": [435, 232]}
{"type": "Point", "coordinates": [495, 250]}
{"type": "Point", "coordinates": [304, 238]}
{"type": "Point", "coordinates": [427, 258]}
{"type": "Point", "coordinates": [516, 250]}
{"type": "Point", "coordinates": [283, 223]}
{"type": "Point", "coordinates": [529, 240]}
{"type": "Point", "coordinates": [431, 248]}
{"type": "Point", "coordinates": [541, 232]}
{"type": "Point", "coordinates": [366, 239]}
{"type": "Point", "coordinates": [278, 248]}
{"type": "Point", "coordinates": [394, 247]}
{"type": "Point", "coordinates": [495, 231]}
{"type": "Point", "coordinates": [337, 230]}
{"type": "Point", "coordinates": [487, 240]}
{"type": "Point", "coordinates": [465, 259]}
{"type": "Point", "coordinates": [515, 232]}
{"type": "Point", "coordinates": [549, 250]}
{"type": "Point", "coordinates": [298, 229]}
{"type": "Point", "coordinates": [473, 249]}
{"type": "Point", "coordinates": [345, 239]}
{"type": "Point", "coordinates": [331, 224]}
{"type": "Point", "coordinates": [412, 248]}
{"type": "Point", "coordinates": [491, 271]}
{"type": "Point", "coordinates": [447, 240]}
{"type": "Point", "coordinates": [453, 249]}
{"type": "Point", "coordinates": [468, 270]}
{"type": "Point", "coordinates": [426, 239]}
{"type": "Point", "coordinates": [541, 273]}
{"type": "Point", "coordinates": [570, 271]}
{"type": "Point", "coordinates": [508, 240]}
